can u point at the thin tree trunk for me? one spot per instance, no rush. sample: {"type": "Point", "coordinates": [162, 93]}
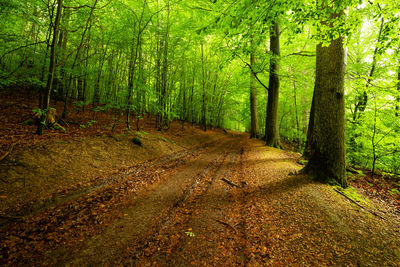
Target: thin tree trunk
{"type": "Point", "coordinates": [374, 144]}
{"type": "Point", "coordinates": [254, 131]}
{"type": "Point", "coordinates": [42, 94]}
{"type": "Point", "coordinates": [398, 91]}
{"type": "Point", "coordinates": [52, 68]}
{"type": "Point", "coordinates": [363, 98]}
{"type": "Point", "coordinates": [87, 27]}
{"type": "Point", "coordinates": [271, 124]}
{"type": "Point", "coordinates": [192, 95]}
{"type": "Point", "coordinates": [204, 109]}
{"type": "Point", "coordinates": [296, 112]}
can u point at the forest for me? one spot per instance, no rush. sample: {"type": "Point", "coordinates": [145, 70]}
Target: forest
{"type": "Point", "coordinates": [214, 63]}
{"type": "Point", "coordinates": [320, 77]}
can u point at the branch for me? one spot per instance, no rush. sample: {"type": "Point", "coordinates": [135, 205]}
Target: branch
{"type": "Point", "coordinates": [368, 81]}
{"type": "Point", "coordinates": [21, 47]}
{"type": "Point", "coordinates": [200, 8]}
{"type": "Point", "coordinates": [70, 54]}
{"type": "Point", "coordinates": [85, 6]}
{"type": "Point", "coordinates": [254, 73]}
{"type": "Point", "coordinates": [76, 7]}
{"type": "Point", "coordinates": [303, 54]}
{"type": "Point", "coordinates": [230, 183]}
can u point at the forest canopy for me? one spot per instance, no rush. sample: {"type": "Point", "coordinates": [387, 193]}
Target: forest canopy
{"type": "Point", "coordinates": [246, 65]}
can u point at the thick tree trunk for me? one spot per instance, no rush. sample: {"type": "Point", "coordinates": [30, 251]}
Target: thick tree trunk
{"type": "Point", "coordinates": [52, 69]}
{"type": "Point", "coordinates": [271, 124]}
{"type": "Point", "coordinates": [254, 131]}
{"type": "Point", "coordinates": [327, 131]}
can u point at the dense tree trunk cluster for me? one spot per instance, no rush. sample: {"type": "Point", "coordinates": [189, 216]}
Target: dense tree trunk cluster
{"type": "Point", "coordinates": [177, 60]}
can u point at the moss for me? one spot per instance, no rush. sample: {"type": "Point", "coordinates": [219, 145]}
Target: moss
{"type": "Point", "coordinates": [162, 138]}
{"type": "Point", "coordinates": [302, 162]}
{"type": "Point", "coordinates": [351, 193]}
{"type": "Point", "coordinates": [28, 122]}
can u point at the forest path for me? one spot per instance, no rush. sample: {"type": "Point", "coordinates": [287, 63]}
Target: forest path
{"type": "Point", "coordinates": [182, 213]}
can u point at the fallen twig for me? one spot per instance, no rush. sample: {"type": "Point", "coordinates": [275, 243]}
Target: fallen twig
{"type": "Point", "coordinates": [358, 204]}
{"type": "Point", "coordinates": [230, 183]}
{"type": "Point", "coordinates": [8, 152]}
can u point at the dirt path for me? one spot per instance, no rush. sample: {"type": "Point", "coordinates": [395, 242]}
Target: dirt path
{"type": "Point", "coordinates": [179, 212]}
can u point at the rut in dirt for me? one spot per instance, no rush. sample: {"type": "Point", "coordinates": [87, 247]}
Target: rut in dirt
{"type": "Point", "coordinates": [67, 225]}
{"type": "Point", "coordinates": [135, 172]}
{"type": "Point", "coordinates": [233, 202]}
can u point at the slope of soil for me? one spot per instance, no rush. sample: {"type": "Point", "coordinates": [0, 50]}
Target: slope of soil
{"type": "Point", "coordinates": [35, 176]}
{"type": "Point", "coordinates": [44, 170]}
{"type": "Point", "coordinates": [231, 202]}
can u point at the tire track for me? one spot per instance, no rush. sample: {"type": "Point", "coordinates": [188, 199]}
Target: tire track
{"type": "Point", "coordinates": [170, 244]}
{"type": "Point", "coordinates": [150, 212]}
{"type": "Point", "coordinates": [101, 182]}
{"type": "Point", "coordinates": [88, 213]}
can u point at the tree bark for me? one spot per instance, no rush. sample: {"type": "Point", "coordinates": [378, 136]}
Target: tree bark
{"type": "Point", "coordinates": [254, 131]}
{"type": "Point", "coordinates": [307, 148]}
{"type": "Point", "coordinates": [327, 135]}
{"type": "Point", "coordinates": [271, 124]}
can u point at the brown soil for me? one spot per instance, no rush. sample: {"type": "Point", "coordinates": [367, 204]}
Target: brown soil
{"type": "Point", "coordinates": [176, 210]}
{"type": "Point", "coordinates": [91, 198]}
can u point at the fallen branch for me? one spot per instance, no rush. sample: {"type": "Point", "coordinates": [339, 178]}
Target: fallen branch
{"type": "Point", "coordinates": [8, 152]}
{"type": "Point", "coordinates": [230, 183]}
{"type": "Point", "coordinates": [358, 204]}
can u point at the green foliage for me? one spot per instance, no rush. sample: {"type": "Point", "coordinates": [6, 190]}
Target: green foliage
{"type": "Point", "coordinates": [162, 138]}
{"type": "Point", "coordinates": [89, 124]}
{"type": "Point", "coordinates": [39, 112]}
{"type": "Point", "coordinates": [395, 191]}
{"type": "Point", "coordinates": [190, 234]}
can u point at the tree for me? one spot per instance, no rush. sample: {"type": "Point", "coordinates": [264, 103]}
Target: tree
{"type": "Point", "coordinates": [271, 124]}
{"type": "Point", "coordinates": [254, 130]}
{"type": "Point", "coordinates": [327, 161]}
{"type": "Point", "coordinates": [52, 68]}
{"type": "Point", "coordinates": [398, 91]}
